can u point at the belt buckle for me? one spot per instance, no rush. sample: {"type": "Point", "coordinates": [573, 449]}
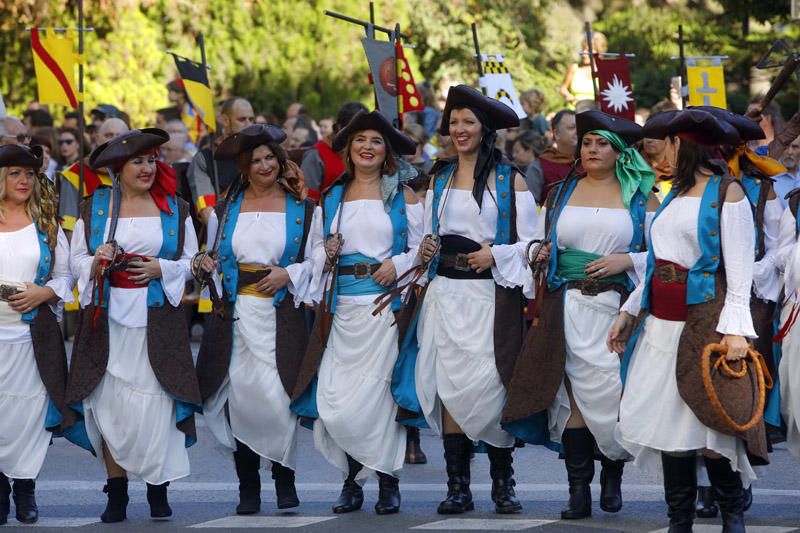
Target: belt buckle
{"type": "Point", "coordinates": [590, 287]}
{"type": "Point", "coordinates": [668, 273]}
{"type": "Point", "coordinates": [361, 270]}
{"type": "Point", "coordinates": [461, 263]}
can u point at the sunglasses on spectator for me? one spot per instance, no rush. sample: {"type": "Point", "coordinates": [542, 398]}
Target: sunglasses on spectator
{"type": "Point", "coordinates": [62, 142]}
{"type": "Point", "coordinates": [22, 138]}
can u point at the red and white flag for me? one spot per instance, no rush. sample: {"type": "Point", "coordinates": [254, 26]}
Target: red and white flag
{"type": "Point", "coordinates": [614, 82]}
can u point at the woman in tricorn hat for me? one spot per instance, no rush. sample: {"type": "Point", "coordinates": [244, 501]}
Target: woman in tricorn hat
{"type": "Point", "coordinates": [696, 291]}
{"type": "Point", "coordinates": [366, 234]}
{"type": "Point", "coordinates": [250, 354]}
{"type": "Point", "coordinates": [596, 223]}
{"type": "Point", "coordinates": [34, 279]}
{"type": "Point", "coordinates": [132, 383]}
{"type": "Point", "coordinates": [470, 324]}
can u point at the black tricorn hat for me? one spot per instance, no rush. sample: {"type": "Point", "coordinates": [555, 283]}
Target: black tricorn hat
{"type": "Point", "coordinates": [498, 115]}
{"type": "Point", "coordinates": [125, 146]}
{"type": "Point", "coordinates": [249, 138]}
{"type": "Point", "coordinates": [749, 130]}
{"type": "Point", "coordinates": [593, 120]}
{"type": "Point", "coordinates": [18, 155]}
{"type": "Point", "coordinates": [374, 120]}
{"type": "Point", "coordinates": [696, 125]}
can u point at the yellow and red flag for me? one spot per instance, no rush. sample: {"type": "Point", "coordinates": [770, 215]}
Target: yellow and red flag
{"type": "Point", "coordinates": [54, 62]}
{"type": "Point", "coordinates": [195, 80]}
{"type": "Point", "coordinates": [91, 180]}
{"type": "Point", "coordinates": [408, 98]}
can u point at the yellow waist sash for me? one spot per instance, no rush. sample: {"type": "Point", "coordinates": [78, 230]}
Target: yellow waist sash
{"type": "Point", "coordinates": [248, 272]}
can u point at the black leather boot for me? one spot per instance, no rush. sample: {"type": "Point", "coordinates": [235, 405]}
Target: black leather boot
{"type": "Point", "coordinates": [611, 485]}
{"type": "Point", "coordinates": [285, 491]}
{"type": "Point", "coordinates": [352, 495]}
{"type": "Point", "coordinates": [502, 473]}
{"type": "Point", "coordinates": [578, 446]}
{"type": "Point", "coordinates": [388, 494]}
{"type": "Point", "coordinates": [680, 489]}
{"type": "Point", "coordinates": [5, 498]}
{"type": "Point", "coordinates": [457, 448]}
{"type": "Point", "coordinates": [730, 493]}
{"type": "Point", "coordinates": [116, 509]}
{"type": "Point", "coordinates": [414, 453]}
{"type": "Point", "coordinates": [748, 498]}
{"type": "Point", "coordinates": [25, 501]}
{"type": "Point", "coordinates": [157, 498]}
{"type": "Point", "coordinates": [706, 503]}
{"type": "Point", "coordinates": [247, 464]}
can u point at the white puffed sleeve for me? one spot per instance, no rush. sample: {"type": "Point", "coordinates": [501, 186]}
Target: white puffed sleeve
{"type": "Point", "coordinates": [316, 251]}
{"type": "Point", "coordinates": [529, 286]}
{"type": "Point", "coordinates": [175, 274]}
{"type": "Point", "coordinates": [61, 280]}
{"type": "Point", "coordinates": [211, 240]}
{"type": "Point", "coordinates": [510, 266]}
{"type": "Point", "coordinates": [633, 304]}
{"type": "Point", "coordinates": [738, 242]}
{"type": "Point", "coordinates": [766, 277]}
{"type": "Point", "coordinates": [415, 216]}
{"type": "Point", "coordinates": [80, 263]}
{"type": "Point", "coordinates": [300, 276]}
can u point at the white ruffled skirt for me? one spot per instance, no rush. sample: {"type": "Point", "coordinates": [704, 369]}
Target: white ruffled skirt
{"type": "Point", "coordinates": [258, 406]}
{"type": "Point", "coordinates": [592, 370]}
{"type": "Point", "coordinates": [23, 404]}
{"type": "Point", "coordinates": [654, 417]}
{"type": "Point", "coordinates": [789, 372]}
{"type": "Point", "coordinates": [456, 367]}
{"type": "Point", "coordinates": [133, 414]}
{"type": "Point", "coordinates": [354, 398]}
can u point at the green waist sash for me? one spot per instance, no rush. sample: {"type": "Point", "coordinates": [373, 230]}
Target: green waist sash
{"type": "Point", "coordinates": [571, 264]}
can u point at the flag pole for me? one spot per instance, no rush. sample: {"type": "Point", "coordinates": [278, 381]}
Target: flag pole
{"type": "Point", "coordinates": [213, 169]}
{"type": "Point", "coordinates": [477, 53]}
{"type": "Point", "coordinates": [397, 79]}
{"type": "Point", "coordinates": [681, 63]}
{"type": "Point", "coordinates": [588, 31]}
{"type": "Point", "coordinates": [81, 116]}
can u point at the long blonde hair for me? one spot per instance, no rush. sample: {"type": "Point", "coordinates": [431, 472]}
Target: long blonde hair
{"type": "Point", "coordinates": [42, 206]}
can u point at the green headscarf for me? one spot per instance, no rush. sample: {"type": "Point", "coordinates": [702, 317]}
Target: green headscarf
{"type": "Point", "coordinates": [633, 172]}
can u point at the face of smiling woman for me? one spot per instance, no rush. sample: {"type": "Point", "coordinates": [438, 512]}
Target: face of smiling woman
{"type": "Point", "coordinates": [20, 182]}
{"type": "Point", "coordinates": [466, 130]}
{"type": "Point", "coordinates": [368, 151]}
{"type": "Point", "coordinates": [139, 173]}
{"type": "Point", "coordinates": [264, 167]}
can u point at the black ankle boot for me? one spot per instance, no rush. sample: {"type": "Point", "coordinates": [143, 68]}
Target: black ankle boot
{"type": "Point", "coordinates": [578, 446]}
{"type": "Point", "coordinates": [505, 501]}
{"type": "Point", "coordinates": [730, 493]}
{"type": "Point", "coordinates": [25, 501]}
{"type": "Point", "coordinates": [457, 449]}
{"type": "Point", "coordinates": [611, 485]}
{"type": "Point", "coordinates": [680, 489]}
{"type": "Point", "coordinates": [116, 509]}
{"type": "Point", "coordinates": [5, 499]}
{"type": "Point", "coordinates": [706, 503]}
{"type": "Point", "coordinates": [414, 453]}
{"type": "Point", "coordinates": [352, 495]}
{"type": "Point", "coordinates": [285, 492]}
{"type": "Point", "coordinates": [247, 464]}
{"type": "Point", "coordinates": [388, 494]}
{"type": "Point", "coordinates": [157, 498]}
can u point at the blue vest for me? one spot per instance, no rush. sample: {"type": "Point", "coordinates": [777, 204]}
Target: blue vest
{"type": "Point", "coordinates": [43, 269]}
{"type": "Point", "coordinates": [295, 222]}
{"type": "Point", "coordinates": [170, 226]}
{"type": "Point", "coordinates": [638, 212]}
{"type": "Point", "coordinates": [503, 185]}
{"type": "Point", "coordinates": [333, 202]}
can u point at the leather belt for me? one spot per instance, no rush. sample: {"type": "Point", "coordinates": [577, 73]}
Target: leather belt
{"type": "Point", "coordinates": [593, 287]}
{"type": "Point", "coordinates": [669, 273]}
{"type": "Point", "coordinates": [359, 270]}
{"type": "Point", "coordinates": [458, 262]}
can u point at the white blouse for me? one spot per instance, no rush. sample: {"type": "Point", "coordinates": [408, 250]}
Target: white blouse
{"type": "Point", "coordinates": [459, 215]}
{"type": "Point", "coordinates": [366, 228]}
{"type": "Point", "coordinates": [19, 260]}
{"type": "Point", "coordinates": [259, 239]}
{"type": "Point", "coordinates": [142, 236]}
{"type": "Point", "coordinates": [766, 277]}
{"type": "Point", "coordinates": [783, 255]}
{"type": "Point", "coordinates": [674, 239]}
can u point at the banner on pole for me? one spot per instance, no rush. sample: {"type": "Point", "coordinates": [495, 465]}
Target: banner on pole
{"type": "Point", "coordinates": [615, 88]}
{"type": "Point", "coordinates": [195, 81]}
{"type": "Point", "coordinates": [497, 83]}
{"type": "Point", "coordinates": [706, 82]}
{"type": "Point", "coordinates": [383, 68]}
{"type": "Point", "coordinates": [54, 63]}
{"type": "Point", "coordinates": [91, 180]}
{"type": "Point", "coordinates": [408, 99]}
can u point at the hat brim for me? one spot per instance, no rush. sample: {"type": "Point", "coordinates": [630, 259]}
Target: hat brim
{"type": "Point", "coordinates": [496, 115]}
{"type": "Point", "coordinates": [249, 138]}
{"type": "Point", "coordinates": [17, 155]}
{"type": "Point", "coordinates": [749, 130]}
{"type": "Point", "coordinates": [594, 120]}
{"type": "Point", "coordinates": [126, 146]}
{"type": "Point", "coordinates": [374, 120]}
{"type": "Point", "coordinates": [699, 126]}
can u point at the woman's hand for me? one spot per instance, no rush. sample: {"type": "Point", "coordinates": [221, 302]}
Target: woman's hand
{"type": "Point", "coordinates": [104, 252]}
{"type": "Point", "coordinates": [208, 264]}
{"type": "Point", "coordinates": [427, 248]}
{"type": "Point", "coordinates": [609, 265]}
{"type": "Point", "coordinates": [333, 244]}
{"type": "Point", "coordinates": [145, 270]}
{"type": "Point", "coordinates": [386, 273]}
{"type": "Point", "coordinates": [737, 347]}
{"type": "Point", "coordinates": [543, 257]}
{"type": "Point", "coordinates": [482, 259]}
{"type": "Point", "coordinates": [29, 299]}
{"type": "Point", "coordinates": [275, 280]}
{"type": "Point", "coordinates": [620, 333]}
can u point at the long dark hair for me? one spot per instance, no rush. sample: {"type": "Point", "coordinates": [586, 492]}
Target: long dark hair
{"type": "Point", "coordinates": [692, 157]}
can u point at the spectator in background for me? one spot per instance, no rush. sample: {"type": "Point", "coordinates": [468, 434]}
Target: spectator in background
{"type": "Point", "coordinates": [266, 117]}
{"type": "Point", "coordinates": [533, 102]}
{"type": "Point", "coordinates": [178, 131]}
{"type": "Point", "coordinates": [68, 147]}
{"type": "Point", "coordinates": [654, 150]}
{"type": "Point", "coordinates": [34, 119]}
{"type": "Point", "coordinates": [174, 151]}
{"type": "Point", "coordinates": [44, 139]}
{"type": "Point", "coordinates": [578, 84]}
{"type": "Point", "coordinates": [430, 115]}
{"type": "Point", "coordinates": [166, 115]}
{"type": "Point", "coordinates": [326, 127]}
{"type": "Point", "coordinates": [557, 160]}
{"type": "Point", "coordinates": [295, 109]}
{"type": "Point", "coordinates": [100, 114]}
{"type": "Point", "coordinates": [419, 159]}
{"type": "Point", "coordinates": [177, 95]}
{"type": "Point", "coordinates": [71, 120]}
{"type": "Point", "coordinates": [110, 128]}
{"type": "Point", "coordinates": [771, 122]}
{"type": "Point", "coordinates": [788, 180]}
{"type": "Point", "coordinates": [528, 146]}
{"type": "Point", "coordinates": [303, 134]}
{"type": "Point", "coordinates": [13, 131]}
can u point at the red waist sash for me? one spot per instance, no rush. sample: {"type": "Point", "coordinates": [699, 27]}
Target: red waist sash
{"type": "Point", "coordinates": [121, 278]}
{"type": "Point", "coordinates": [668, 292]}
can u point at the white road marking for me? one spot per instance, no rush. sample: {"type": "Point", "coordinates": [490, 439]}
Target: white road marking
{"type": "Point", "coordinates": [47, 521]}
{"type": "Point", "coordinates": [252, 522]}
{"type": "Point", "coordinates": [482, 524]}
{"type": "Point", "coordinates": [714, 528]}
